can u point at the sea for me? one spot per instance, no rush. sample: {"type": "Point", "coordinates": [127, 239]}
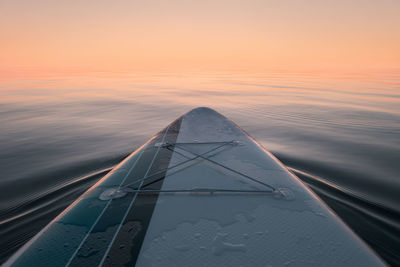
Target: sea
{"type": "Point", "coordinates": [339, 133]}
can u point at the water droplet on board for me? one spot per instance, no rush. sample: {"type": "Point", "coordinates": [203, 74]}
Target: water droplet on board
{"type": "Point", "coordinates": [220, 246]}
{"type": "Point", "coordinates": [288, 263]}
{"type": "Point", "coordinates": [182, 248]}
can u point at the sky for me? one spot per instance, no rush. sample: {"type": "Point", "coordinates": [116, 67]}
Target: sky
{"type": "Point", "coordinates": [99, 35]}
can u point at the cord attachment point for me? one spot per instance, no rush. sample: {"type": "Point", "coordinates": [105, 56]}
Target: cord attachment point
{"type": "Point", "coordinates": [112, 193]}
{"type": "Point", "coordinates": [284, 193]}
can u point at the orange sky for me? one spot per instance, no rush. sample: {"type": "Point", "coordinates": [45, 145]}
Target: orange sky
{"type": "Point", "coordinates": [249, 34]}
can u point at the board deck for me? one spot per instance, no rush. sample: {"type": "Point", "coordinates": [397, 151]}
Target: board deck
{"type": "Point", "coordinates": [201, 192]}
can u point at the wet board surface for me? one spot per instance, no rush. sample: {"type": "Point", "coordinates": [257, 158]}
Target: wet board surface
{"type": "Point", "coordinates": [199, 193]}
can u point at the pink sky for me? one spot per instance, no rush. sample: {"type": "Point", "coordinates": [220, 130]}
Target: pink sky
{"type": "Point", "coordinates": [252, 34]}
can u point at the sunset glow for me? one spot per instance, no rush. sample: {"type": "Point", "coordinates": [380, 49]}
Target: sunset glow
{"type": "Point", "coordinates": [257, 34]}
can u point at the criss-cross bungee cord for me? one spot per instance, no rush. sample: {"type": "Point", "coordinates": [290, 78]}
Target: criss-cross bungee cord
{"type": "Point", "coordinates": [173, 147]}
{"type": "Point", "coordinates": [177, 145]}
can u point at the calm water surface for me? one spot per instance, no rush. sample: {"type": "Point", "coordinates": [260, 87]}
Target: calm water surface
{"type": "Point", "coordinates": [339, 134]}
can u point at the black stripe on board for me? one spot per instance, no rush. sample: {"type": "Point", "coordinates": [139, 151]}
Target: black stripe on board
{"type": "Point", "coordinates": [129, 240]}
{"type": "Point", "coordinates": [95, 246]}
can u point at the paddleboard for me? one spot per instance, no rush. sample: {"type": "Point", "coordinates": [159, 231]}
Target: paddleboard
{"type": "Point", "coordinates": [201, 192]}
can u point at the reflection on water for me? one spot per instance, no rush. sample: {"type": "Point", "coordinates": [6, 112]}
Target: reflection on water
{"type": "Point", "coordinates": [340, 135]}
